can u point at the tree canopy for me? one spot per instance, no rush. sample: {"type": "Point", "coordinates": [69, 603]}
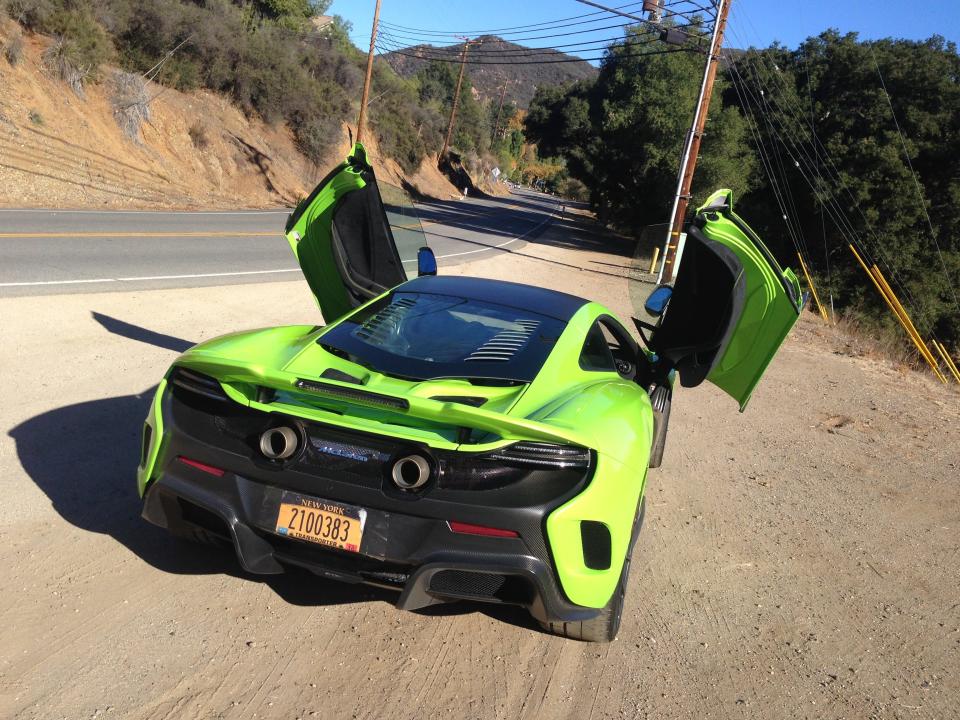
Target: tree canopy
{"type": "Point", "coordinates": [817, 144]}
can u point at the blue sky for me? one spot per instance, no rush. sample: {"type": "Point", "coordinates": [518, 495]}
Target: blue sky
{"type": "Point", "coordinates": [753, 22]}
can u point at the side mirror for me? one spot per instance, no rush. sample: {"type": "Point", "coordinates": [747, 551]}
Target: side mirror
{"type": "Point", "coordinates": [657, 302]}
{"type": "Point", "coordinates": [426, 262]}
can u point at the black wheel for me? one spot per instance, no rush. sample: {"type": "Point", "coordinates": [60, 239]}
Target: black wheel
{"type": "Point", "coordinates": [605, 626]}
{"type": "Point", "coordinates": [660, 399]}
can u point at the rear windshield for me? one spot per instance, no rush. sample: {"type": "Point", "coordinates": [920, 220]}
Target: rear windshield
{"type": "Point", "coordinates": [424, 336]}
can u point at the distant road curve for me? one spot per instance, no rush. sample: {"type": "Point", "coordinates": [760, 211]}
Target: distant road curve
{"type": "Point", "coordinates": [44, 252]}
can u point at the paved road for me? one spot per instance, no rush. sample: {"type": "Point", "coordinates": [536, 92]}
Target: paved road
{"type": "Point", "coordinates": [45, 252]}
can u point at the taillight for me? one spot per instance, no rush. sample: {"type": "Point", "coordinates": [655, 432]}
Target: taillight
{"type": "Point", "coordinates": [559, 466]}
{"type": "Point", "coordinates": [546, 455]}
{"type": "Point", "coordinates": [210, 469]}
{"type": "Point", "coordinates": [470, 529]}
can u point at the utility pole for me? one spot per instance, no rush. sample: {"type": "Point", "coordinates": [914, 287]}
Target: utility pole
{"type": "Point", "coordinates": [692, 146]}
{"type": "Point", "coordinates": [496, 127]}
{"type": "Point", "coordinates": [366, 83]}
{"type": "Point", "coordinates": [467, 42]}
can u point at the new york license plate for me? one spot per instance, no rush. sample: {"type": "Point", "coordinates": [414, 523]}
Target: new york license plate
{"type": "Point", "coordinates": [320, 521]}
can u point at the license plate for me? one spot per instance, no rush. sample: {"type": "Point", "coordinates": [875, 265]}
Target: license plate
{"type": "Point", "coordinates": [320, 521]}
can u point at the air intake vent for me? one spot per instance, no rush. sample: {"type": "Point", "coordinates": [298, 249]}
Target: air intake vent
{"type": "Point", "coordinates": [378, 328]}
{"type": "Point", "coordinates": [461, 399]}
{"type": "Point", "coordinates": [595, 538]}
{"type": "Point", "coordinates": [198, 383]}
{"type": "Point", "coordinates": [505, 344]}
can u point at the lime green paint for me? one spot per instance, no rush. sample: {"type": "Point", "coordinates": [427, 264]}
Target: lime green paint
{"type": "Point", "coordinates": [311, 241]}
{"type": "Point", "coordinates": [155, 421]}
{"type": "Point", "coordinates": [612, 499]}
{"type": "Point", "coordinates": [768, 312]}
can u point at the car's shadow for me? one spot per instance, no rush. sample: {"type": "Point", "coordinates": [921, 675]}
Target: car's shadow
{"type": "Point", "coordinates": [84, 457]}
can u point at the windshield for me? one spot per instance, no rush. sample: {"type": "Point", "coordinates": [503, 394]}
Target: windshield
{"type": "Point", "coordinates": [426, 336]}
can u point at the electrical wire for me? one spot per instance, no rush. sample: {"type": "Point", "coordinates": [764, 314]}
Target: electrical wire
{"type": "Point", "coordinates": [518, 29]}
{"type": "Point", "coordinates": [487, 52]}
{"type": "Point", "coordinates": [452, 60]}
{"type": "Point", "coordinates": [916, 181]}
{"type": "Point", "coordinates": [799, 154]}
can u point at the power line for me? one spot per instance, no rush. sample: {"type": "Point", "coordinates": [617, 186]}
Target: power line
{"type": "Point", "coordinates": [537, 37]}
{"type": "Point", "coordinates": [518, 29]}
{"type": "Point", "coordinates": [390, 51]}
{"type": "Point", "coordinates": [447, 52]}
{"type": "Point", "coordinates": [916, 182]}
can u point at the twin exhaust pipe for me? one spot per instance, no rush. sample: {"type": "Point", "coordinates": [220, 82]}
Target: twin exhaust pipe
{"type": "Point", "coordinates": [282, 443]}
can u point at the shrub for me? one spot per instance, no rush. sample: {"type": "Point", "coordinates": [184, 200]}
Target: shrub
{"type": "Point", "coordinates": [81, 46]}
{"type": "Point", "coordinates": [35, 117]}
{"type": "Point", "coordinates": [13, 48]}
{"type": "Point", "coordinates": [198, 135]}
{"type": "Point", "coordinates": [32, 14]}
{"type": "Point", "coordinates": [130, 103]}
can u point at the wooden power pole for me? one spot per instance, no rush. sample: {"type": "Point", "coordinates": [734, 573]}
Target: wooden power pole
{"type": "Point", "coordinates": [692, 146]}
{"type": "Point", "coordinates": [496, 127]}
{"type": "Point", "coordinates": [456, 98]}
{"type": "Point", "coordinates": [366, 83]}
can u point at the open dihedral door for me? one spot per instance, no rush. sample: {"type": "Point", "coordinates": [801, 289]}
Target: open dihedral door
{"type": "Point", "coordinates": [732, 304]}
{"type": "Point", "coordinates": [343, 240]}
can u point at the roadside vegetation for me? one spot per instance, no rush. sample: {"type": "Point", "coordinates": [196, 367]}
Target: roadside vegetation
{"type": "Point", "coordinates": [812, 126]}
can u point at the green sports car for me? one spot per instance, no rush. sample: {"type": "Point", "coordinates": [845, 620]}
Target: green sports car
{"type": "Point", "coordinates": [450, 437]}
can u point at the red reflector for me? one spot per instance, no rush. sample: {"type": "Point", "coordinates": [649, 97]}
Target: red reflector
{"type": "Point", "coordinates": [201, 466]}
{"type": "Point", "coordinates": [468, 529]}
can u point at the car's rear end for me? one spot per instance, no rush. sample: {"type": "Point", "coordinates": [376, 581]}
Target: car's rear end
{"type": "Point", "coordinates": [251, 464]}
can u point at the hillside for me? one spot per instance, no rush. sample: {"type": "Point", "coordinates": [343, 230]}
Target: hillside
{"type": "Point", "coordinates": [195, 149]}
{"type": "Point", "coordinates": [522, 79]}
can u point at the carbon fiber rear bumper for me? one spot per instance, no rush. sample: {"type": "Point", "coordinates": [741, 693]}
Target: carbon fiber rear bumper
{"type": "Point", "coordinates": [419, 557]}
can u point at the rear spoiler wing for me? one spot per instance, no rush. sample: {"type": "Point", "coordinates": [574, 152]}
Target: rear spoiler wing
{"type": "Point", "coordinates": [245, 386]}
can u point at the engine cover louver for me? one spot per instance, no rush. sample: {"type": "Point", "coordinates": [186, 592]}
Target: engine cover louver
{"type": "Point", "coordinates": [505, 344]}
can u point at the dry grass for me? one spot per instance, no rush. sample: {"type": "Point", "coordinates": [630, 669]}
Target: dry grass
{"type": "Point", "coordinates": [199, 135]}
{"type": "Point", "coordinates": [13, 48]}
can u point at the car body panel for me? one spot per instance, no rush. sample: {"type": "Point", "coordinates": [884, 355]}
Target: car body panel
{"type": "Point", "coordinates": [772, 301]}
{"type": "Point", "coordinates": [288, 375]}
{"type": "Point", "coordinates": [345, 269]}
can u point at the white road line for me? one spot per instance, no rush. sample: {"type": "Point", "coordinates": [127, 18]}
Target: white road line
{"type": "Point", "coordinates": [149, 277]}
{"type": "Point", "coordinates": [256, 272]}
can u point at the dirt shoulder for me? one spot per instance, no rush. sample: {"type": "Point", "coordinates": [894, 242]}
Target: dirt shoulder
{"type": "Point", "coordinates": [799, 560]}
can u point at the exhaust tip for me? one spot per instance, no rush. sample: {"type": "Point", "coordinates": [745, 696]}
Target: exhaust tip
{"type": "Point", "coordinates": [279, 443]}
{"type": "Point", "coordinates": [411, 472]}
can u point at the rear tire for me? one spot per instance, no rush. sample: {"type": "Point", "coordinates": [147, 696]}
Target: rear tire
{"type": "Point", "coordinates": [605, 626]}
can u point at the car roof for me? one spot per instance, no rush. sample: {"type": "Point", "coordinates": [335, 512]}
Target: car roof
{"type": "Point", "coordinates": [550, 303]}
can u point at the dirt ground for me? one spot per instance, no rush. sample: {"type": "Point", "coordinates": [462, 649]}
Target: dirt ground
{"type": "Point", "coordinates": [801, 560]}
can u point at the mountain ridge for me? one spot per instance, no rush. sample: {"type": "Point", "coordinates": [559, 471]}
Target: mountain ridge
{"type": "Point", "coordinates": [522, 78]}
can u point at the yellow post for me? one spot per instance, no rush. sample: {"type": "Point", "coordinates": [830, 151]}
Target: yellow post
{"type": "Point", "coordinates": [653, 261]}
{"type": "Point", "coordinates": [953, 365]}
{"type": "Point", "coordinates": [816, 298]}
{"type": "Point", "coordinates": [921, 348]}
{"type": "Point", "coordinates": [947, 360]}
{"type": "Point", "coordinates": [898, 306]}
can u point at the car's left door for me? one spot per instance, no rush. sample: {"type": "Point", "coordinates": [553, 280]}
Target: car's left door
{"type": "Point", "coordinates": [343, 239]}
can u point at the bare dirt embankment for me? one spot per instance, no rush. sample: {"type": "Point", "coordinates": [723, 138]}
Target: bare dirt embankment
{"type": "Point", "coordinates": [800, 560]}
{"type": "Point", "coordinates": [196, 150]}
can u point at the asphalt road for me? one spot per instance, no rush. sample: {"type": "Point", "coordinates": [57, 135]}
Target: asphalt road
{"type": "Point", "coordinates": [44, 252]}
